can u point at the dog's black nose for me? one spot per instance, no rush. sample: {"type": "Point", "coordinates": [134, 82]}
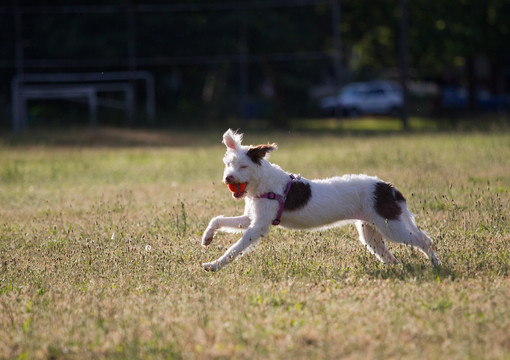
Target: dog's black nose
{"type": "Point", "coordinates": [229, 179]}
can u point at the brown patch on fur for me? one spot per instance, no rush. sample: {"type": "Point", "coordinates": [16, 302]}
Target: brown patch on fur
{"type": "Point", "coordinates": [387, 199]}
{"type": "Point", "coordinates": [257, 153]}
{"type": "Point", "coordinates": [299, 195]}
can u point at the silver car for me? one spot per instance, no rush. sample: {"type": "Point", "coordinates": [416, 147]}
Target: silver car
{"type": "Point", "coordinates": [365, 98]}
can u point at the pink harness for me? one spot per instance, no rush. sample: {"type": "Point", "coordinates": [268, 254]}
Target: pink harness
{"type": "Point", "coordinates": [281, 199]}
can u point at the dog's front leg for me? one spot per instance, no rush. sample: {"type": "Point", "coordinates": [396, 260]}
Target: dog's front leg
{"type": "Point", "coordinates": [250, 237]}
{"type": "Point", "coordinates": [237, 223]}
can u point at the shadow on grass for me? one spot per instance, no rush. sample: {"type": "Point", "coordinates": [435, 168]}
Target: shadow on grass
{"type": "Point", "coordinates": [109, 137]}
{"type": "Point", "coordinates": [192, 136]}
{"type": "Point", "coordinates": [413, 271]}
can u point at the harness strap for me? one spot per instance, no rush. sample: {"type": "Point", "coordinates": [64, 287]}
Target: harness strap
{"type": "Point", "coordinates": [280, 198]}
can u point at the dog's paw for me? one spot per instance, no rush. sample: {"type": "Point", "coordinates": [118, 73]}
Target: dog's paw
{"type": "Point", "coordinates": [207, 239]}
{"type": "Point", "coordinates": [212, 266]}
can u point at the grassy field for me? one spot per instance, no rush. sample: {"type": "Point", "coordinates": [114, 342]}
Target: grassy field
{"type": "Point", "coordinates": [100, 252]}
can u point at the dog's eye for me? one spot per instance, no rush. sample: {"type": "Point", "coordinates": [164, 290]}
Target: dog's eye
{"type": "Point", "coordinates": [244, 167]}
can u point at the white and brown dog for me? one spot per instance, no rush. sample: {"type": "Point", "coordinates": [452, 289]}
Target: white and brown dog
{"type": "Point", "coordinates": [273, 197]}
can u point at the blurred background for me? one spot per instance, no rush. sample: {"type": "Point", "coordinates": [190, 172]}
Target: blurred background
{"type": "Point", "coordinates": [261, 63]}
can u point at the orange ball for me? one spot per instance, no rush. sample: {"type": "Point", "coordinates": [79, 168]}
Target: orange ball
{"type": "Point", "coordinates": [237, 188]}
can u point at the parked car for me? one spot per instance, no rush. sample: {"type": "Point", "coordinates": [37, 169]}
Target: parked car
{"type": "Point", "coordinates": [456, 97]}
{"type": "Point", "coordinates": [365, 98]}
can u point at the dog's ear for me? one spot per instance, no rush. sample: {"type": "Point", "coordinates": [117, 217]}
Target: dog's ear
{"type": "Point", "coordinates": [232, 139]}
{"type": "Point", "coordinates": [257, 153]}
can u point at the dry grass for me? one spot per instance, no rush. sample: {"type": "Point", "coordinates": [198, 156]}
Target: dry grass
{"type": "Point", "coordinates": [99, 254]}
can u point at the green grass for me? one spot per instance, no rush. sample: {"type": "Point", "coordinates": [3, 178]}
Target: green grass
{"type": "Point", "coordinates": [365, 124]}
{"type": "Point", "coordinates": [100, 252]}
{"type": "Point", "coordinates": [377, 125]}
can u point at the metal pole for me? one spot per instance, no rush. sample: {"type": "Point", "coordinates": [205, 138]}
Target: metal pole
{"type": "Point", "coordinates": [243, 63]}
{"type": "Point", "coordinates": [337, 54]}
{"type": "Point", "coordinates": [131, 45]}
{"type": "Point", "coordinates": [19, 116]}
{"type": "Point", "coordinates": [18, 28]}
{"type": "Point", "coordinates": [403, 60]}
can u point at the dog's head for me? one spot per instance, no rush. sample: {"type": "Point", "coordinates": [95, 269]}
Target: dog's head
{"type": "Point", "coordinates": [243, 163]}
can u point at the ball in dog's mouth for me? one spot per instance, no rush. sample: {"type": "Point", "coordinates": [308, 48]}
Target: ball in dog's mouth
{"type": "Point", "coordinates": [238, 190]}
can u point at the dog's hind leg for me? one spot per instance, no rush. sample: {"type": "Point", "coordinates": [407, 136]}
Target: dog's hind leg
{"type": "Point", "coordinates": [405, 231]}
{"type": "Point", "coordinates": [373, 240]}
{"type": "Point", "coordinates": [425, 242]}
{"type": "Point", "coordinates": [235, 224]}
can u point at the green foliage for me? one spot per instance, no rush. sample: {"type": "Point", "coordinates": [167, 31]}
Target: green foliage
{"type": "Point", "coordinates": [193, 48]}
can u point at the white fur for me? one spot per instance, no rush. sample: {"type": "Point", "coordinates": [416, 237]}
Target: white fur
{"type": "Point", "coordinates": [334, 202]}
